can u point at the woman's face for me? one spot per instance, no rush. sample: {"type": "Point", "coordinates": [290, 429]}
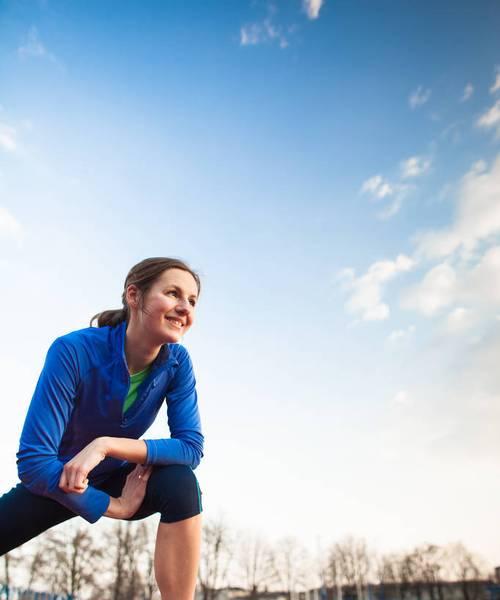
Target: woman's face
{"type": "Point", "coordinates": [168, 307]}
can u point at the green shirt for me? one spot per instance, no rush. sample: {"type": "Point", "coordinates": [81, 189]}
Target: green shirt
{"type": "Point", "coordinates": [135, 381]}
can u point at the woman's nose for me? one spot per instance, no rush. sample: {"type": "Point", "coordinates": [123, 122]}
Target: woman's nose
{"type": "Point", "coordinates": [183, 306]}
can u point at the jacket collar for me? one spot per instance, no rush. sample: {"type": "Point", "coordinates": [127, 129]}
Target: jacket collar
{"type": "Point", "coordinates": [165, 356]}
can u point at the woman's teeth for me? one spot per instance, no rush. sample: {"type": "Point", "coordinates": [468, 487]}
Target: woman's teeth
{"type": "Point", "coordinates": [174, 322]}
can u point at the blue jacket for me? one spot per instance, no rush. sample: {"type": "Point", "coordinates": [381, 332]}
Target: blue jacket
{"type": "Point", "coordinates": [79, 397]}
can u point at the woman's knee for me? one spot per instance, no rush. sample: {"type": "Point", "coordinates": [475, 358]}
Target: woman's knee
{"type": "Point", "coordinates": [175, 492]}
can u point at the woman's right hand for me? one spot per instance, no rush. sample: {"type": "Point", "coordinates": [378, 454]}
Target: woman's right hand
{"type": "Point", "coordinates": [134, 490]}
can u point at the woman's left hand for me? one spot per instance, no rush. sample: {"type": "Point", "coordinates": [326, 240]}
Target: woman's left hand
{"type": "Point", "coordinates": [74, 475]}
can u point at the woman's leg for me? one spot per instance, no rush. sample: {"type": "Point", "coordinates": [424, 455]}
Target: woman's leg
{"type": "Point", "coordinates": [24, 515]}
{"type": "Point", "coordinates": [177, 556]}
{"type": "Point", "coordinates": [172, 491]}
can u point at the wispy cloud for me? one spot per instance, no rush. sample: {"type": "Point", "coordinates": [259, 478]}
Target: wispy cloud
{"type": "Point", "coordinates": [419, 97]}
{"type": "Point", "coordinates": [496, 84]}
{"type": "Point", "coordinates": [366, 291]}
{"type": "Point", "coordinates": [491, 119]}
{"type": "Point", "coordinates": [8, 138]}
{"type": "Point", "coordinates": [477, 216]}
{"type": "Point", "coordinates": [415, 166]}
{"type": "Point", "coordinates": [262, 32]}
{"type": "Point", "coordinates": [379, 188]}
{"type": "Point", "coordinates": [312, 8]}
{"type": "Point", "coordinates": [460, 288]}
{"type": "Point", "coordinates": [32, 47]}
{"type": "Point", "coordinates": [436, 291]}
{"type": "Point", "coordinates": [467, 93]}
{"type": "Point", "coordinates": [10, 227]}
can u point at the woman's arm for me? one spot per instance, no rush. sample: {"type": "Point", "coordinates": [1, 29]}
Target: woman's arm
{"type": "Point", "coordinates": [75, 471]}
{"type": "Point", "coordinates": [39, 467]}
{"type": "Point", "coordinates": [185, 446]}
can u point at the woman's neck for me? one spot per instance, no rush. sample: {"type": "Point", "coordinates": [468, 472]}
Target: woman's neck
{"type": "Point", "coordinates": [138, 352]}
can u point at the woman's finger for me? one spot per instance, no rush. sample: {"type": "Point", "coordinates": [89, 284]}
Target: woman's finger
{"type": "Point", "coordinates": [145, 472]}
{"type": "Point", "coordinates": [76, 480]}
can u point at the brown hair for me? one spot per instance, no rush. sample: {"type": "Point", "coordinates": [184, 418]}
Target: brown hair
{"type": "Point", "coordinates": [143, 275]}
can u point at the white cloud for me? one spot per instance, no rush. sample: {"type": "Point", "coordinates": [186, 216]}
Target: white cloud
{"type": "Point", "coordinates": [436, 291]}
{"type": "Point", "coordinates": [366, 291]}
{"type": "Point", "coordinates": [477, 215]}
{"type": "Point", "coordinates": [481, 283]}
{"type": "Point", "coordinates": [459, 320]}
{"type": "Point", "coordinates": [264, 32]}
{"type": "Point", "coordinates": [312, 8]}
{"type": "Point", "coordinates": [391, 209]}
{"type": "Point", "coordinates": [415, 166]}
{"type": "Point", "coordinates": [491, 118]}
{"type": "Point", "coordinates": [476, 287]}
{"type": "Point", "coordinates": [467, 93]}
{"type": "Point", "coordinates": [496, 85]}
{"type": "Point", "coordinates": [33, 47]}
{"type": "Point", "coordinates": [8, 135]}
{"type": "Point", "coordinates": [377, 186]}
{"type": "Point", "coordinates": [9, 226]}
{"type": "Point", "coordinates": [419, 97]}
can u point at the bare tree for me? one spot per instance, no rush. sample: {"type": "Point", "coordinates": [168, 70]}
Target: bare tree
{"type": "Point", "coordinates": [256, 565]}
{"type": "Point", "coordinates": [7, 559]}
{"type": "Point", "coordinates": [73, 560]}
{"type": "Point", "coordinates": [215, 557]}
{"type": "Point", "coordinates": [350, 561]}
{"type": "Point", "coordinates": [131, 549]}
{"type": "Point", "coordinates": [428, 561]}
{"type": "Point", "coordinates": [332, 573]}
{"type": "Point", "coordinates": [36, 563]}
{"type": "Point", "coordinates": [463, 566]}
{"type": "Point", "coordinates": [387, 570]}
{"type": "Point", "coordinates": [290, 560]}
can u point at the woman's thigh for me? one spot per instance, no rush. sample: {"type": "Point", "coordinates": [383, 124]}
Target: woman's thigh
{"type": "Point", "coordinates": [172, 491]}
{"type": "Point", "coordinates": [24, 515]}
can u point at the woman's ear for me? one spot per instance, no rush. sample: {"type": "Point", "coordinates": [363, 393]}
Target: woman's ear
{"type": "Point", "coordinates": [132, 295]}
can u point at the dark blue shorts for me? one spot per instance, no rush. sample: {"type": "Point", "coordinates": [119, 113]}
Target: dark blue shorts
{"type": "Point", "coordinates": [172, 491]}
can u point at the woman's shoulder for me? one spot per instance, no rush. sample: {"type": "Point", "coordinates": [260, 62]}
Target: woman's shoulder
{"type": "Point", "coordinates": [88, 346]}
{"type": "Point", "coordinates": [86, 335]}
{"type": "Point", "coordinates": [178, 351]}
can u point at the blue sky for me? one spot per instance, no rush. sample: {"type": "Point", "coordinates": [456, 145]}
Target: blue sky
{"type": "Point", "coordinates": [332, 169]}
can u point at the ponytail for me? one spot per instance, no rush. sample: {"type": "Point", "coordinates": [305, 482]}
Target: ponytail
{"type": "Point", "coordinates": [110, 317]}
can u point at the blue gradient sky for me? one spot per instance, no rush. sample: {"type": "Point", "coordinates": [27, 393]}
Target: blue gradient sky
{"type": "Point", "coordinates": [284, 154]}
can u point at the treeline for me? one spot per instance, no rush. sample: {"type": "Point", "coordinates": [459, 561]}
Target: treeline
{"type": "Point", "coordinates": [115, 562]}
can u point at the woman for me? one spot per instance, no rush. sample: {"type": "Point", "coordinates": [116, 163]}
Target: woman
{"type": "Point", "coordinates": [99, 391]}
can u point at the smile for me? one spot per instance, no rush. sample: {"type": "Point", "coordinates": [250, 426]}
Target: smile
{"type": "Point", "coordinates": [175, 322]}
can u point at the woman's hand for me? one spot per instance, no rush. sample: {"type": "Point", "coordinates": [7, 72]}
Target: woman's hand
{"type": "Point", "coordinates": [75, 472]}
{"type": "Point", "coordinates": [133, 492]}
{"type": "Point", "coordinates": [132, 496]}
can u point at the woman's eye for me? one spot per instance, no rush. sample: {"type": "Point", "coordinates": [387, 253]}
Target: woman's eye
{"type": "Point", "coordinates": [172, 292]}
{"type": "Point", "coordinates": [193, 303]}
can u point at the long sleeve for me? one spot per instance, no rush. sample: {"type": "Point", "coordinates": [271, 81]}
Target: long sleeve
{"type": "Point", "coordinates": [185, 445]}
{"type": "Point", "coordinates": [39, 466]}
